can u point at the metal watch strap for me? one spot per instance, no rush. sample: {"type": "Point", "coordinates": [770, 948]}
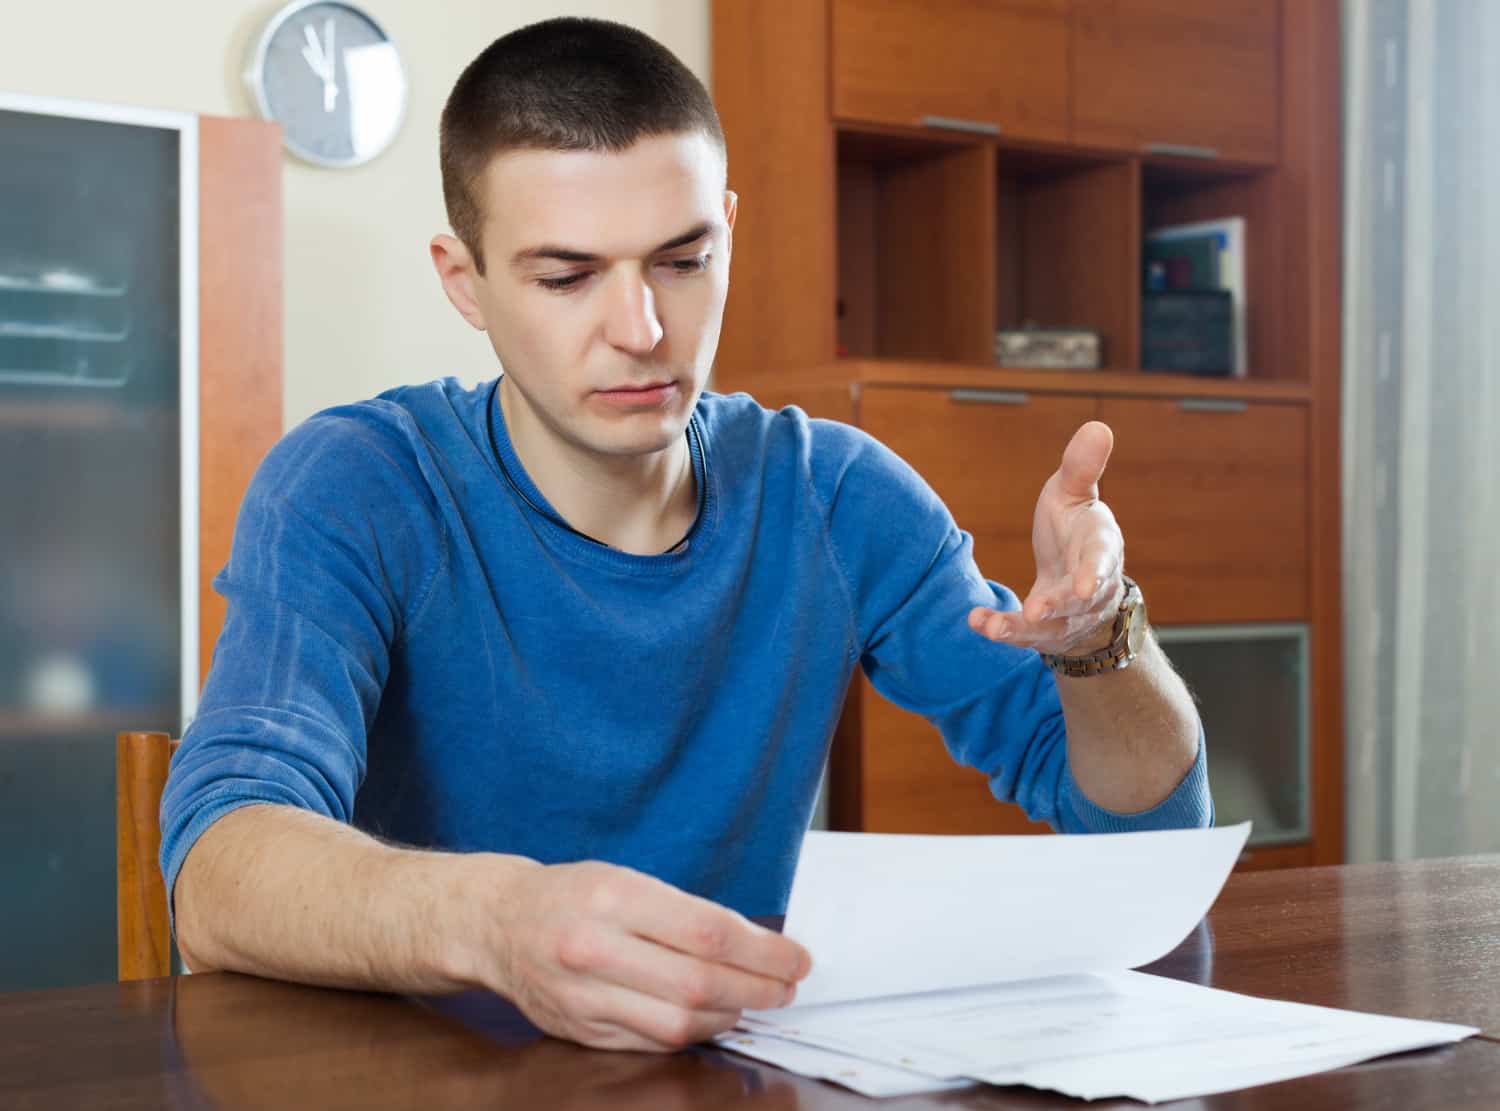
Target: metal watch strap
{"type": "Point", "coordinates": [1114, 656]}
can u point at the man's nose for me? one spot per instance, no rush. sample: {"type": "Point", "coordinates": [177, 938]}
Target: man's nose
{"type": "Point", "coordinates": [631, 323]}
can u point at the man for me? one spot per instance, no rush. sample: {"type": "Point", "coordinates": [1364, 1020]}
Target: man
{"type": "Point", "coordinates": [529, 686]}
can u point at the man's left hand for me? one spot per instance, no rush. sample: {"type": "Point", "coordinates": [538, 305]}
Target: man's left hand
{"type": "Point", "coordinates": [1080, 555]}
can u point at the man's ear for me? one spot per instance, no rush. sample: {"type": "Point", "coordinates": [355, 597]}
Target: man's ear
{"type": "Point", "coordinates": [455, 269]}
{"type": "Point", "coordinates": [731, 209]}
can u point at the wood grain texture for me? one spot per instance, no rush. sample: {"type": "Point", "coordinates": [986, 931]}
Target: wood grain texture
{"type": "Point", "coordinates": [1213, 506]}
{"type": "Point", "coordinates": [1275, 856]}
{"type": "Point", "coordinates": [909, 783]}
{"type": "Point", "coordinates": [1420, 940]}
{"type": "Point", "coordinates": [1000, 62]}
{"type": "Point", "coordinates": [240, 335]}
{"type": "Point", "coordinates": [1077, 238]}
{"type": "Point", "coordinates": [1312, 213]}
{"type": "Point", "coordinates": [1169, 71]}
{"type": "Point", "coordinates": [858, 256]}
{"type": "Point", "coordinates": [926, 374]}
{"type": "Point", "coordinates": [770, 84]}
{"type": "Point", "coordinates": [145, 945]}
{"type": "Point", "coordinates": [935, 280]}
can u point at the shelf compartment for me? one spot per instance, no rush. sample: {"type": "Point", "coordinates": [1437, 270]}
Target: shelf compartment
{"type": "Point", "coordinates": [1251, 684]}
{"type": "Point", "coordinates": [915, 275]}
{"type": "Point", "coordinates": [1066, 244]}
{"type": "Point", "coordinates": [1175, 191]}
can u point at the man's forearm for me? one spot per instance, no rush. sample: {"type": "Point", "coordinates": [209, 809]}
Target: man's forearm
{"type": "Point", "coordinates": [1132, 734]}
{"type": "Point", "coordinates": [283, 893]}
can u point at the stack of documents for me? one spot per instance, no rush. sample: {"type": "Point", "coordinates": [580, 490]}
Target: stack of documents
{"type": "Point", "coordinates": [939, 962]}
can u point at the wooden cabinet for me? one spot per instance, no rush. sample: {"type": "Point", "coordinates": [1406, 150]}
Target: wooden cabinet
{"type": "Point", "coordinates": [140, 384]}
{"type": "Point", "coordinates": [1212, 498]}
{"type": "Point", "coordinates": [995, 64]}
{"type": "Point", "coordinates": [873, 281]}
{"type": "Point", "coordinates": [907, 783]}
{"type": "Point", "coordinates": [1164, 74]}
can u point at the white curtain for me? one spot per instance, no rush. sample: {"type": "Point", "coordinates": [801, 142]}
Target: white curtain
{"type": "Point", "coordinates": [1421, 409]}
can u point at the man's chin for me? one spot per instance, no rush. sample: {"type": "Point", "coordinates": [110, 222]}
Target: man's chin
{"type": "Point", "coordinates": [639, 436]}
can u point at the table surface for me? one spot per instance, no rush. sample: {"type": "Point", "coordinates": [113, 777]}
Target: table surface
{"type": "Point", "coordinates": [1418, 939]}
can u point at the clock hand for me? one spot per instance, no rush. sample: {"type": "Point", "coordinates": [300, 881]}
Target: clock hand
{"type": "Point", "coordinates": [331, 59]}
{"type": "Point", "coordinates": [312, 53]}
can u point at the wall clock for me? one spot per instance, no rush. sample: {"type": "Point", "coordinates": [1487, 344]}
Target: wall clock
{"type": "Point", "coordinates": [330, 75]}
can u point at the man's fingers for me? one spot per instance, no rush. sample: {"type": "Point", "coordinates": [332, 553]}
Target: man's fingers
{"type": "Point", "coordinates": [1084, 460]}
{"type": "Point", "coordinates": [615, 1017]}
{"type": "Point", "coordinates": [1013, 628]}
{"type": "Point", "coordinates": [685, 981]}
{"type": "Point", "coordinates": [1097, 573]}
{"type": "Point", "coordinates": [704, 929]}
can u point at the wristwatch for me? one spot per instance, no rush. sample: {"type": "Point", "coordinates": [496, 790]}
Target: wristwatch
{"type": "Point", "coordinates": [1125, 640]}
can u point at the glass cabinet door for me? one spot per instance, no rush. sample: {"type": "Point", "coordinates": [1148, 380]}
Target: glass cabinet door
{"type": "Point", "coordinates": [1250, 682]}
{"type": "Point", "coordinates": [98, 379]}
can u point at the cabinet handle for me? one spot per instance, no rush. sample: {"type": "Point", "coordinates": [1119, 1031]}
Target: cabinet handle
{"type": "Point", "coordinates": [1212, 405]}
{"type": "Point", "coordinates": [1182, 150]}
{"type": "Point", "coordinates": [991, 397]}
{"type": "Point", "coordinates": [949, 123]}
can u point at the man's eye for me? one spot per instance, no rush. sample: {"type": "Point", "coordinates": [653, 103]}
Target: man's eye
{"type": "Point", "coordinates": [566, 282]}
{"type": "Point", "coordinates": [689, 265]}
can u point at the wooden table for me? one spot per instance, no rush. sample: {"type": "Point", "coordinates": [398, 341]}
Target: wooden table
{"type": "Point", "coordinates": [1420, 940]}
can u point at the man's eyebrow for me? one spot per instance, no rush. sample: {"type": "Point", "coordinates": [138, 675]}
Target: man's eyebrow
{"type": "Point", "coordinates": [567, 254]}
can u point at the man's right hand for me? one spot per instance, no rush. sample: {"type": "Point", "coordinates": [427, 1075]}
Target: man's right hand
{"type": "Point", "coordinates": [615, 959]}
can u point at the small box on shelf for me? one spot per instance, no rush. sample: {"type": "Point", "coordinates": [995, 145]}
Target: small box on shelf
{"type": "Point", "coordinates": [1048, 348]}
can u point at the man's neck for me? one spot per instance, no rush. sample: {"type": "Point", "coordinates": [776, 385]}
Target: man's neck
{"type": "Point", "coordinates": [643, 505]}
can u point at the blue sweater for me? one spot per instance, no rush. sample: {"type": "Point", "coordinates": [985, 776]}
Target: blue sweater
{"type": "Point", "coordinates": [416, 643]}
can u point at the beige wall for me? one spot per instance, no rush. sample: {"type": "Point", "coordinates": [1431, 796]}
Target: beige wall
{"type": "Point", "coordinates": [363, 309]}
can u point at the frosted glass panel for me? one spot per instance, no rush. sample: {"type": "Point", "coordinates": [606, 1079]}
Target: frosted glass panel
{"type": "Point", "coordinates": [1251, 686]}
{"type": "Point", "coordinates": [90, 583]}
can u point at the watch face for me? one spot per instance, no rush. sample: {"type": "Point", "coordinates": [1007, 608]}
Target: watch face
{"type": "Point", "coordinates": [1136, 634]}
{"type": "Point", "coordinates": [329, 75]}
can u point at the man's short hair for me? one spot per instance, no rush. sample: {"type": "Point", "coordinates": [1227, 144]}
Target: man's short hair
{"type": "Point", "coordinates": [562, 84]}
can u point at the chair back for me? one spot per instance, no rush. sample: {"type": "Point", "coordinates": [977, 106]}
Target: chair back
{"type": "Point", "coordinates": [145, 945]}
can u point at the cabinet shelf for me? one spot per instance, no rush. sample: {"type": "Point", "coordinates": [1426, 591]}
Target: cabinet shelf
{"type": "Point", "coordinates": [53, 415]}
{"type": "Point", "coordinates": [1122, 383]}
{"type": "Point", "coordinates": [58, 282]}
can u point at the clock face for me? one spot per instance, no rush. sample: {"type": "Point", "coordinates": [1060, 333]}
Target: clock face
{"type": "Point", "coordinates": [329, 75]}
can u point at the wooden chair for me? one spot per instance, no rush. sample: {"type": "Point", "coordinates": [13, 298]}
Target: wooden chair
{"type": "Point", "coordinates": [141, 761]}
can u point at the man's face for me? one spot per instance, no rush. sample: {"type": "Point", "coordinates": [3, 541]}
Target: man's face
{"type": "Point", "coordinates": [604, 288]}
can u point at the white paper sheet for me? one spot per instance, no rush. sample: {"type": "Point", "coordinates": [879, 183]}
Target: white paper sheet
{"type": "Point", "coordinates": [1030, 941]}
{"type": "Point", "coordinates": [890, 914]}
{"type": "Point", "coordinates": [869, 1078]}
{"type": "Point", "coordinates": [1096, 1035]}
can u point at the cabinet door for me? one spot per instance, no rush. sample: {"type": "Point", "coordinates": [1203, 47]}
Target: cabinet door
{"type": "Point", "coordinates": [96, 621]}
{"type": "Point", "coordinates": [987, 455]}
{"type": "Point", "coordinates": [996, 62]}
{"type": "Point", "coordinates": [1212, 498]}
{"type": "Point", "coordinates": [1178, 73]}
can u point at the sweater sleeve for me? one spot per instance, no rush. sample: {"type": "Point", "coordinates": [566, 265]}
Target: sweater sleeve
{"type": "Point", "coordinates": [912, 580]}
{"type": "Point", "coordinates": [332, 553]}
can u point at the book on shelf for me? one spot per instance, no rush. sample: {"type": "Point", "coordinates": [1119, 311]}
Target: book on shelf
{"type": "Point", "coordinates": [1205, 255]}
